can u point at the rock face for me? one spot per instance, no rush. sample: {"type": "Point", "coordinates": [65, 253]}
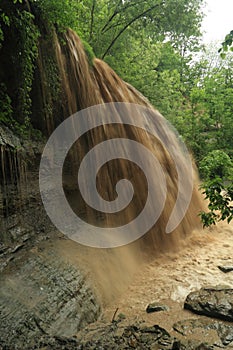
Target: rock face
{"type": "Point", "coordinates": [117, 336]}
{"type": "Point", "coordinates": [214, 302]}
{"type": "Point", "coordinates": [43, 296]}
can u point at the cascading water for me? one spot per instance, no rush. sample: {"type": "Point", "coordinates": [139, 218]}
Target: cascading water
{"type": "Point", "coordinates": [81, 84]}
{"type": "Point", "coordinates": [84, 85]}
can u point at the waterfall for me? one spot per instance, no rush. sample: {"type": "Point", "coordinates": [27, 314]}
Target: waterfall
{"type": "Point", "coordinates": [84, 84]}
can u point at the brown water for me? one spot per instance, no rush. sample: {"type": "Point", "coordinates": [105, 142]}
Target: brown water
{"type": "Point", "coordinates": [156, 267]}
{"type": "Point", "coordinates": [170, 277]}
{"type": "Point", "coordinates": [85, 85]}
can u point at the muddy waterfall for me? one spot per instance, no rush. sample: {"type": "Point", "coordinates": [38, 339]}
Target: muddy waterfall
{"type": "Point", "coordinates": [50, 284]}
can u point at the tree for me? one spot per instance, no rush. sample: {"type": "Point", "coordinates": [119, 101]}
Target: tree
{"type": "Point", "coordinates": [220, 197]}
{"type": "Point", "coordinates": [217, 166]}
{"type": "Point", "coordinates": [227, 44]}
{"type": "Point", "coordinates": [117, 25]}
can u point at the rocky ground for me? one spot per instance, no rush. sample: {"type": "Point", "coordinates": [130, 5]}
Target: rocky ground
{"type": "Point", "coordinates": [41, 294]}
{"type": "Point", "coordinates": [173, 281]}
{"type": "Point", "coordinates": [40, 281]}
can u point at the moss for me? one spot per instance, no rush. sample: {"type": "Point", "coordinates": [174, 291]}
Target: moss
{"type": "Point", "coordinates": [52, 76]}
{"type": "Point", "coordinates": [6, 107]}
{"type": "Point", "coordinates": [89, 52]}
{"type": "Point", "coordinates": [28, 53]}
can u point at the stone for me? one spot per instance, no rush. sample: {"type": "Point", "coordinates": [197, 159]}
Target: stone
{"type": "Point", "coordinates": [225, 333]}
{"type": "Point", "coordinates": [221, 331]}
{"type": "Point", "coordinates": [186, 327]}
{"type": "Point", "coordinates": [138, 336]}
{"type": "Point", "coordinates": [212, 301]}
{"type": "Point", "coordinates": [57, 301]}
{"type": "Point", "coordinates": [134, 336]}
{"type": "Point", "coordinates": [155, 307]}
{"type": "Point", "coordinates": [226, 268]}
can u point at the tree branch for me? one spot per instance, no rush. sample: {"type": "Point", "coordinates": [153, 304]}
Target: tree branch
{"type": "Point", "coordinates": [106, 27]}
{"type": "Point", "coordinates": [111, 17]}
{"type": "Point", "coordinates": [126, 26]}
{"type": "Point", "coordinates": [92, 19]}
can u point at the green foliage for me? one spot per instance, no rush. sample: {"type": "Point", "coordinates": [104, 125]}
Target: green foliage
{"type": "Point", "coordinates": [6, 117]}
{"type": "Point", "coordinates": [28, 52]}
{"type": "Point", "coordinates": [6, 107]}
{"type": "Point", "coordinates": [204, 116]}
{"type": "Point", "coordinates": [216, 164]}
{"type": "Point", "coordinates": [89, 52]}
{"type": "Point", "coordinates": [63, 13]}
{"type": "Point", "coordinates": [52, 76]}
{"type": "Point", "coordinates": [183, 19]}
{"type": "Point", "coordinates": [4, 19]}
{"type": "Point", "coordinates": [220, 199]}
{"type": "Point", "coordinates": [18, 25]}
{"type": "Point", "coordinates": [217, 169]}
{"type": "Point", "coordinates": [227, 44]}
{"type": "Point", "coordinates": [110, 20]}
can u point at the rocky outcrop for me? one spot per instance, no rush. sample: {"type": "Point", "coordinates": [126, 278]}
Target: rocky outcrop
{"type": "Point", "coordinates": [21, 213]}
{"type": "Point", "coordinates": [42, 295]}
{"type": "Point", "coordinates": [213, 301]}
{"type": "Point", "coordinates": [223, 333]}
{"type": "Point", "coordinates": [118, 336]}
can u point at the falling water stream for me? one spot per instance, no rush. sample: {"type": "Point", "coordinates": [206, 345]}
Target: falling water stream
{"type": "Point", "coordinates": [82, 85]}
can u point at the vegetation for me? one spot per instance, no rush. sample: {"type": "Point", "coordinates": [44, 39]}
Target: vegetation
{"type": "Point", "coordinates": [227, 44]}
{"type": "Point", "coordinates": [220, 198]}
{"type": "Point", "coordinates": [156, 46]}
{"type": "Point", "coordinates": [217, 170]}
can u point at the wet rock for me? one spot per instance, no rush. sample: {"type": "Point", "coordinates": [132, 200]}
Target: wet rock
{"type": "Point", "coordinates": [156, 330]}
{"type": "Point", "coordinates": [132, 337]}
{"type": "Point", "coordinates": [155, 307]}
{"type": "Point", "coordinates": [221, 333]}
{"type": "Point", "coordinates": [119, 336]}
{"type": "Point", "coordinates": [58, 343]}
{"type": "Point", "coordinates": [8, 138]}
{"type": "Point", "coordinates": [225, 333]}
{"type": "Point", "coordinates": [17, 248]}
{"type": "Point", "coordinates": [44, 296]}
{"type": "Point", "coordinates": [186, 327]}
{"type": "Point", "coordinates": [202, 346]}
{"type": "Point", "coordinates": [212, 301]}
{"type": "Point", "coordinates": [226, 268]}
{"type": "Point", "coordinates": [195, 345]}
{"type": "Point", "coordinates": [142, 338]}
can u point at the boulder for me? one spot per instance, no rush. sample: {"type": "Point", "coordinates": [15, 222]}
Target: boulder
{"type": "Point", "coordinates": [226, 268]}
{"type": "Point", "coordinates": [212, 301]}
{"type": "Point", "coordinates": [220, 331]}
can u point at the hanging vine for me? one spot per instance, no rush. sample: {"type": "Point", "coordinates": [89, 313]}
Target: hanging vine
{"type": "Point", "coordinates": [27, 53]}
